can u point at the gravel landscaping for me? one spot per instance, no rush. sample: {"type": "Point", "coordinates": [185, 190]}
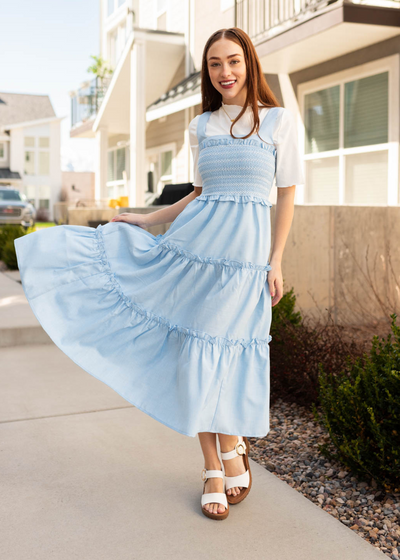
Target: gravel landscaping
{"type": "Point", "coordinates": [290, 451]}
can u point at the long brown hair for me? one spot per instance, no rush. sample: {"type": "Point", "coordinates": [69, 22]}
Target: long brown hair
{"type": "Point", "coordinates": [258, 91]}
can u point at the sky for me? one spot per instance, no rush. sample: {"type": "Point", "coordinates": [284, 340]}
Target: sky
{"type": "Point", "coordinates": [45, 48]}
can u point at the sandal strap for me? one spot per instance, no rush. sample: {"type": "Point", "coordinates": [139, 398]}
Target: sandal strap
{"type": "Point", "coordinates": [239, 480]}
{"type": "Point", "coordinates": [211, 474]}
{"type": "Point", "coordinates": [239, 450]}
{"type": "Point", "coordinates": [214, 498]}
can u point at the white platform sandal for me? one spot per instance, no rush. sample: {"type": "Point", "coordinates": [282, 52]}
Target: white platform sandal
{"type": "Point", "coordinates": [242, 480]}
{"type": "Point", "coordinates": [214, 497]}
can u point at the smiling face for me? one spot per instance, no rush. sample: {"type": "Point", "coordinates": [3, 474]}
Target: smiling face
{"type": "Point", "coordinates": [227, 70]}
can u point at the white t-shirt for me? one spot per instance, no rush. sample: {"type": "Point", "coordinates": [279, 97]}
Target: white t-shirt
{"type": "Point", "coordinates": [289, 168]}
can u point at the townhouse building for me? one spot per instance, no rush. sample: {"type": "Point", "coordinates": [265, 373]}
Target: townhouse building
{"type": "Point", "coordinates": [334, 64]}
{"type": "Point", "coordinates": [30, 148]}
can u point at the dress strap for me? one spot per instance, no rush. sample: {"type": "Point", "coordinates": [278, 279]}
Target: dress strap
{"type": "Point", "coordinates": [267, 126]}
{"type": "Point", "coordinates": [201, 126]}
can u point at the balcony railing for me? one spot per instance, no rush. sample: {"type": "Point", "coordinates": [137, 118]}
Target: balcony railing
{"type": "Point", "coordinates": [86, 102]}
{"type": "Point", "coordinates": [261, 19]}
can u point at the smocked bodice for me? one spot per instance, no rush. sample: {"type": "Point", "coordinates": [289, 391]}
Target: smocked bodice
{"type": "Point", "coordinates": [238, 166]}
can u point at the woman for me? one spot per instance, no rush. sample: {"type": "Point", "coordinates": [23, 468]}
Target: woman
{"type": "Point", "coordinates": [178, 324]}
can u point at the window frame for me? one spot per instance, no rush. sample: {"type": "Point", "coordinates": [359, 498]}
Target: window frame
{"type": "Point", "coordinates": [117, 182]}
{"type": "Point", "coordinates": [157, 151]}
{"type": "Point", "coordinates": [36, 150]}
{"type": "Point", "coordinates": [388, 64]}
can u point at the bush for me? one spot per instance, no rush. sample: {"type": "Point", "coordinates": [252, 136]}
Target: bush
{"type": "Point", "coordinates": [9, 256]}
{"type": "Point", "coordinates": [7, 235]}
{"type": "Point", "coordinates": [297, 349]}
{"type": "Point", "coordinates": [42, 215]}
{"type": "Point", "coordinates": [361, 412]}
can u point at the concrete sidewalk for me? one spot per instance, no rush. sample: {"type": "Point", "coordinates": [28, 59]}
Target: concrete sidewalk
{"type": "Point", "coordinates": [86, 475]}
{"type": "Point", "coordinates": [18, 324]}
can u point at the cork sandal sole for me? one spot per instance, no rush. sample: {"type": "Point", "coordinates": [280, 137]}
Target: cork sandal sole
{"type": "Point", "coordinates": [214, 497]}
{"type": "Point", "coordinates": [245, 490]}
{"type": "Point", "coordinates": [218, 516]}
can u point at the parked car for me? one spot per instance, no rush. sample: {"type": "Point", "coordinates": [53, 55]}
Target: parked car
{"type": "Point", "coordinates": [15, 208]}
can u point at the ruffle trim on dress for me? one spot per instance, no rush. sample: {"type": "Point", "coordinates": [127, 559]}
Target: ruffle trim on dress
{"type": "Point", "coordinates": [235, 197]}
{"type": "Point", "coordinates": [227, 140]}
{"type": "Point", "coordinates": [165, 245]}
{"type": "Point", "coordinates": [162, 321]}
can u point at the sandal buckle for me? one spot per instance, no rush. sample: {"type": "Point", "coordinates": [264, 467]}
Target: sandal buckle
{"type": "Point", "coordinates": [240, 448]}
{"type": "Point", "coordinates": [204, 475]}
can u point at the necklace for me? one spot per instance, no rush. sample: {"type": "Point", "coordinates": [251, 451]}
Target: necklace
{"type": "Point", "coordinates": [227, 114]}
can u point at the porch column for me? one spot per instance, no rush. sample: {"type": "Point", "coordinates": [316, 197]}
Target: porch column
{"type": "Point", "coordinates": [290, 102]}
{"type": "Point", "coordinates": [138, 178]}
{"type": "Point", "coordinates": [100, 171]}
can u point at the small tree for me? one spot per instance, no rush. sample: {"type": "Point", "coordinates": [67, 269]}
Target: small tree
{"type": "Point", "coordinates": [100, 68]}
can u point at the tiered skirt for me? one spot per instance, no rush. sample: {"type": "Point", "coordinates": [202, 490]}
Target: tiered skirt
{"type": "Point", "coordinates": [177, 324]}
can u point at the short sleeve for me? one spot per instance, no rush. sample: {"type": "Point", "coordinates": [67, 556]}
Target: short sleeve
{"type": "Point", "coordinates": [194, 146]}
{"type": "Point", "coordinates": [289, 167]}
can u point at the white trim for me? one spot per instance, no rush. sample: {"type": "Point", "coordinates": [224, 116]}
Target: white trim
{"type": "Point", "coordinates": [31, 123]}
{"type": "Point", "coordinates": [173, 107]}
{"type": "Point", "coordinates": [226, 5]}
{"type": "Point", "coordinates": [388, 64]}
{"type": "Point", "coordinates": [119, 14]}
{"type": "Point", "coordinates": [114, 79]}
{"type": "Point", "coordinates": [157, 14]}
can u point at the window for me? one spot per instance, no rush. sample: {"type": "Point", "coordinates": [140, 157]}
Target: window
{"type": "Point", "coordinates": [37, 157]}
{"type": "Point", "coordinates": [29, 141]}
{"type": "Point", "coordinates": [44, 195]}
{"type": "Point", "coordinates": [166, 167]}
{"type": "Point", "coordinates": [29, 167]}
{"type": "Point", "coordinates": [44, 142]}
{"type": "Point", "coordinates": [347, 136]}
{"type": "Point", "coordinates": [116, 183]}
{"type": "Point", "coordinates": [2, 151]}
{"type": "Point", "coordinates": [44, 203]}
{"type": "Point", "coordinates": [110, 7]}
{"type": "Point", "coordinates": [44, 163]}
{"type": "Point", "coordinates": [160, 167]}
{"type": "Point", "coordinates": [120, 2]}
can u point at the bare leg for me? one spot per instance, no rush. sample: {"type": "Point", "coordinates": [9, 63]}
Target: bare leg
{"type": "Point", "coordinates": [233, 467]}
{"type": "Point", "coordinates": [208, 442]}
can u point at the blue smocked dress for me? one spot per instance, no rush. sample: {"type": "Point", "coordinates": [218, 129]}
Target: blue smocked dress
{"type": "Point", "coordinates": [178, 323]}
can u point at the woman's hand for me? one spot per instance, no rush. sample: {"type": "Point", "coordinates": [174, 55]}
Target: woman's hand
{"type": "Point", "coordinates": [140, 220]}
{"type": "Point", "coordinates": [275, 282]}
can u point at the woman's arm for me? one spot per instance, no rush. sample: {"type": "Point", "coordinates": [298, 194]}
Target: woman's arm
{"type": "Point", "coordinates": [162, 216]}
{"type": "Point", "coordinates": [283, 220]}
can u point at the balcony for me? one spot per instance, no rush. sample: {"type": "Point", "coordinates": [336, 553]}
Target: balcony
{"type": "Point", "coordinates": [292, 35]}
{"type": "Point", "coordinates": [264, 19]}
{"type": "Point", "coordinates": [85, 104]}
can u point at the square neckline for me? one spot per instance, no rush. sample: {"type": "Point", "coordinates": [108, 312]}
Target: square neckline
{"type": "Point", "coordinates": [254, 135]}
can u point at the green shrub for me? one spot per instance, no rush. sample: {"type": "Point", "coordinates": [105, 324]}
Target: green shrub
{"type": "Point", "coordinates": [7, 249]}
{"type": "Point", "coordinates": [361, 412]}
{"type": "Point", "coordinates": [284, 313]}
{"type": "Point", "coordinates": [9, 256]}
